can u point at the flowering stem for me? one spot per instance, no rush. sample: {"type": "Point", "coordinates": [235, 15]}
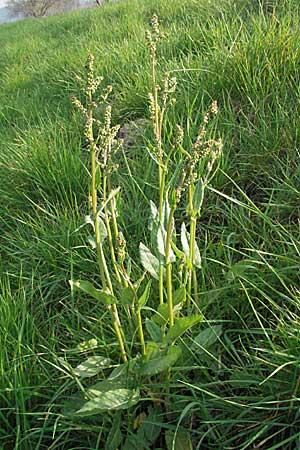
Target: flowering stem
{"type": "Point", "coordinates": [104, 273]}
{"type": "Point", "coordinates": [169, 268]}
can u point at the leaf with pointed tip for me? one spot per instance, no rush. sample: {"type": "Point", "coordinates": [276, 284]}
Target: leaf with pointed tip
{"type": "Point", "coordinates": [102, 229]}
{"type": "Point", "coordinates": [85, 346]}
{"type": "Point", "coordinates": [150, 262]}
{"type": "Point", "coordinates": [206, 338]}
{"type": "Point", "coordinates": [161, 244]}
{"type": "Point", "coordinates": [114, 437]}
{"type": "Point", "coordinates": [181, 326]}
{"type": "Point", "coordinates": [88, 288]}
{"type": "Point", "coordinates": [127, 296]}
{"type": "Point", "coordinates": [197, 256]}
{"type": "Point", "coordinates": [153, 330]}
{"type": "Point", "coordinates": [198, 196]}
{"type": "Point", "coordinates": [162, 315]}
{"type": "Point", "coordinates": [185, 242]}
{"type": "Point", "coordinates": [161, 361]}
{"type": "Point", "coordinates": [152, 348]}
{"type": "Point", "coordinates": [180, 440]}
{"type": "Point", "coordinates": [92, 366]}
{"type": "Point", "coordinates": [91, 240]}
{"type": "Point", "coordinates": [111, 400]}
{"type": "Point", "coordinates": [145, 295]}
{"type": "Point", "coordinates": [179, 296]}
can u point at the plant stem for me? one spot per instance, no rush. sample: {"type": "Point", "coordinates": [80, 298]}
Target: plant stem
{"type": "Point", "coordinates": [169, 267]}
{"type": "Point", "coordinates": [104, 273]}
{"type": "Point", "coordinates": [109, 233]}
{"type": "Point", "coordinates": [112, 210]}
{"type": "Point", "coordinates": [161, 199]}
{"type": "Point", "coordinates": [140, 329]}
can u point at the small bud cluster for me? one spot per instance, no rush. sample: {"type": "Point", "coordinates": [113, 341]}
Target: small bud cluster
{"type": "Point", "coordinates": [201, 148]}
{"type": "Point", "coordinates": [153, 36]}
{"type": "Point", "coordinates": [99, 133]}
{"type": "Point", "coordinates": [169, 87]}
{"type": "Point", "coordinates": [121, 248]}
{"type": "Point", "coordinates": [179, 134]}
{"type": "Point", "coordinates": [152, 107]}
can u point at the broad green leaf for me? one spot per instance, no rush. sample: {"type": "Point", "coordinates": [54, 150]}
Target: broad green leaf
{"type": "Point", "coordinates": [198, 196]}
{"type": "Point", "coordinates": [118, 372]}
{"type": "Point", "coordinates": [110, 401]}
{"type": "Point", "coordinates": [88, 220]}
{"type": "Point", "coordinates": [98, 294]}
{"type": "Point", "coordinates": [185, 242]}
{"type": "Point", "coordinates": [179, 296]}
{"type": "Point", "coordinates": [149, 261]}
{"type": "Point", "coordinates": [127, 296]}
{"type": "Point", "coordinates": [153, 330]}
{"type": "Point", "coordinates": [177, 252]}
{"type": "Point", "coordinates": [154, 216]}
{"type": "Point", "coordinates": [91, 240]}
{"type": "Point", "coordinates": [145, 295]}
{"type": "Point", "coordinates": [123, 370]}
{"type": "Point", "coordinates": [92, 366]}
{"type": "Point", "coordinates": [152, 348]}
{"type": "Point", "coordinates": [114, 437]}
{"type": "Point", "coordinates": [106, 385]}
{"type": "Point", "coordinates": [197, 256]}
{"type": "Point", "coordinates": [102, 228]}
{"type": "Point", "coordinates": [161, 361]}
{"type": "Point", "coordinates": [166, 214]}
{"type": "Point", "coordinates": [179, 440]}
{"type": "Point", "coordinates": [180, 326]}
{"type": "Point", "coordinates": [185, 239]}
{"type": "Point", "coordinates": [207, 337]}
{"type": "Point", "coordinates": [161, 244]}
{"type": "Point", "coordinates": [151, 427]}
{"type": "Point", "coordinates": [87, 345]}
{"type": "Point", "coordinates": [162, 315]}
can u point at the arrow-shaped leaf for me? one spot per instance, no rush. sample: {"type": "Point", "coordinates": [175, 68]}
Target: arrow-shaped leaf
{"type": "Point", "coordinates": [98, 294]}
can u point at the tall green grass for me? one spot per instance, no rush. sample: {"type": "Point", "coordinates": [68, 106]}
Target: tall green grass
{"type": "Point", "coordinates": [242, 387]}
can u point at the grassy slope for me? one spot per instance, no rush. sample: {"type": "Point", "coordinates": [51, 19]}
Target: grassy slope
{"type": "Point", "coordinates": [245, 56]}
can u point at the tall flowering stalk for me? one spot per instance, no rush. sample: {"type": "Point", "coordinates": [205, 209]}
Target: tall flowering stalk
{"type": "Point", "coordinates": [100, 148]}
{"type": "Point", "coordinates": [158, 106]}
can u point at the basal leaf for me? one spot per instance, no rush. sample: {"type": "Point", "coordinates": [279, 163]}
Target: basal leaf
{"type": "Point", "coordinates": [180, 326]}
{"type": "Point", "coordinates": [114, 437]}
{"type": "Point", "coordinates": [111, 400]}
{"type": "Point", "coordinates": [87, 345]}
{"type": "Point", "coordinates": [92, 366]}
{"type": "Point", "coordinates": [161, 361]}
{"type": "Point", "coordinates": [180, 440]}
